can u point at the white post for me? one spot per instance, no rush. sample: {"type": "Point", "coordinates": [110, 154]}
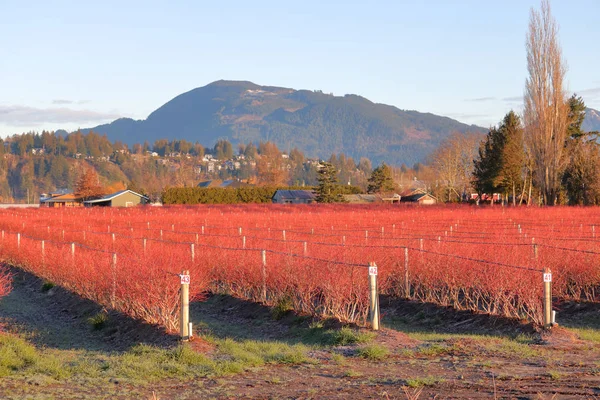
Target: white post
{"type": "Point", "coordinates": [406, 280]}
{"type": "Point", "coordinates": [547, 297]}
{"type": "Point", "coordinates": [73, 251]}
{"type": "Point", "coordinates": [114, 280]}
{"type": "Point", "coordinates": [264, 276]}
{"type": "Point", "coordinates": [240, 230]}
{"type": "Point", "coordinates": [373, 297]}
{"type": "Point", "coordinates": [144, 245]}
{"type": "Point", "coordinates": [284, 235]}
{"type": "Point", "coordinates": [243, 242]}
{"type": "Point", "coordinates": [184, 317]}
{"type": "Point", "coordinates": [305, 249]}
{"type": "Point", "coordinates": [18, 241]}
{"type": "Point", "coordinates": [192, 251]}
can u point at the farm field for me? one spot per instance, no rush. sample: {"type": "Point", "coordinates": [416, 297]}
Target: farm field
{"type": "Point", "coordinates": [281, 302]}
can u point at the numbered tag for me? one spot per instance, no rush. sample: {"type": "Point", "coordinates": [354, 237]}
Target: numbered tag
{"type": "Point", "coordinates": [185, 279]}
{"type": "Point", "coordinates": [372, 270]}
{"type": "Point", "coordinates": [547, 277]}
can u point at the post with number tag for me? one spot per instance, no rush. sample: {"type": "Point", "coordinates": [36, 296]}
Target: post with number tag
{"type": "Point", "coordinates": [548, 298]}
{"type": "Point", "coordinates": [373, 297]}
{"type": "Point", "coordinates": [184, 317]}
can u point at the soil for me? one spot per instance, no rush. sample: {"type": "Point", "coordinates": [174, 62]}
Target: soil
{"type": "Point", "coordinates": [473, 362]}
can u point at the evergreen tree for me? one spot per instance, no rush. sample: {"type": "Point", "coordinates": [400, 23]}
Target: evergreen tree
{"type": "Point", "coordinates": [381, 180]}
{"type": "Point", "coordinates": [326, 190]}
{"type": "Point", "coordinates": [500, 163]}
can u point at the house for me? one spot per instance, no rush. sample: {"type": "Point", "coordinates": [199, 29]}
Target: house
{"type": "Point", "coordinates": [294, 197]}
{"type": "Point", "coordinates": [417, 195]}
{"type": "Point", "coordinates": [361, 198]}
{"type": "Point", "coordinates": [389, 197]}
{"type": "Point", "coordinates": [122, 198]}
{"type": "Point", "coordinates": [372, 198]}
{"type": "Point", "coordinates": [217, 183]}
{"type": "Point", "coordinates": [61, 200]}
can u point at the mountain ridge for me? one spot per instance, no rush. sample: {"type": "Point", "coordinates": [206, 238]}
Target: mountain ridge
{"type": "Point", "coordinates": [317, 123]}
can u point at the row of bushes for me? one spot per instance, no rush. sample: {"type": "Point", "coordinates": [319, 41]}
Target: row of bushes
{"type": "Point", "coordinates": [250, 194]}
{"type": "Point", "coordinates": [196, 195]}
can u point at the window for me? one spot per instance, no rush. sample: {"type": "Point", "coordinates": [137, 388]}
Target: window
{"type": "Point", "coordinates": [129, 204]}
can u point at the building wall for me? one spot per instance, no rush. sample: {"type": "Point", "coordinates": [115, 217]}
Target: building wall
{"type": "Point", "coordinates": [122, 200]}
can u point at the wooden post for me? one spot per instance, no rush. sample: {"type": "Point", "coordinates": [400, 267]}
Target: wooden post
{"type": "Point", "coordinates": [184, 317]}
{"type": "Point", "coordinates": [192, 251]}
{"type": "Point", "coordinates": [113, 292]}
{"type": "Point", "coordinates": [305, 249]}
{"type": "Point", "coordinates": [113, 239]}
{"type": "Point", "coordinates": [264, 276]}
{"type": "Point", "coordinates": [284, 235]}
{"type": "Point", "coordinates": [43, 252]}
{"type": "Point", "coordinates": [343, 240]}
{"type": "Point", "coordinates": [203, 229]}
{"type": "Point", "coordinates": [161, 236]}
{"type": "Point", "coordinates": [173, 227]}
{"type": "Point", "coordinates": [373, 297]}
{"type": "Point", "coordinates": [73, 250]}
{"type": "Point", "coordinates": [196, 238]}
{"type": "Point", "coordinates": [243, 242]}
{"type": "Point", "coordinates": [144, 245]}
{"type": "Point", "coordinates": [240, 230]}
{"type": "Point", "coordinates": [421, 244]}
{"type": "Point", "coordinates": [18, 241]}
{"type": "Point", "coordinates": [547, 297]}
{"type": "Point", "coordinates": [406, 280]}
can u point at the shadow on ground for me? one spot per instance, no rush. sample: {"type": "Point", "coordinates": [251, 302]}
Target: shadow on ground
{"type": "Point", "coordinates": [57, 318]}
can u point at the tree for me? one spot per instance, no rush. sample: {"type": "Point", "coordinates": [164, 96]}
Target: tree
{"type": "Point", "coordinates": [501, 160]}
{"type": "Point", "coordinates": [546, 111]}
{"type": "Point", "coordinates": [326, 190]}
{"type": "Point", "coordinates": [381, 180]}
{"type": "Point", "coordinates": [88, 185]}
{"type": "Point", "coordinates": [453, 163]}
{"type": "Point", "coordinates": [581, 179]}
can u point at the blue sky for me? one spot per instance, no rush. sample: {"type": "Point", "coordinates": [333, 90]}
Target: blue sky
{"type": "Point", "coordinates": [69, 64]}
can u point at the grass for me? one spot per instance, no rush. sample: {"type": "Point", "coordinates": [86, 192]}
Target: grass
{"type": "Point", "coordinates": [98, 321]}
{"type": "Point", "coordinates": [373, 352]}
{"type": "Point", "coordinates": [143, 363]}
{"type": "Point", "coordinates": [425, 381]}
{"type": "Point", "coordinates": [589, 334]}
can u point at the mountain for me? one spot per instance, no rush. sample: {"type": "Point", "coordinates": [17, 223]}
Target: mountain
{"type": "Point", "coordinates": [592, 120]}
{"type": "Point", "coordinates": [319, 124]}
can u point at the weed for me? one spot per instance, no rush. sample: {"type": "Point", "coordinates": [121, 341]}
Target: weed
{"type": "Point", "coordinates": [47, 286]}
{"type": "Point", "coordinates": [346, 336]}
{"type": "Point", "coordinates": [352, 374]}
{"type": "Point", "coordinates": [338, 359]}
{"type": "Point", "coordinates": [282, 308]}
{"type": "Point", "coordinates": [426, 381]}
{"type": "Point", "coordinates": [373, 352]}
{"type": "Point", "coordinates": [98, 321]}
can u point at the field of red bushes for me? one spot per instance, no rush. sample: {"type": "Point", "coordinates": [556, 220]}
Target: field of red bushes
{"type": "Point", "coordinates": [312, 259]}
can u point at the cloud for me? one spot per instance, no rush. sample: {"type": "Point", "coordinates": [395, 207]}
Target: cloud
{"type": "Point", "coordinates": [513, 99]}
{"type": "Point", "coordinates": [29, 116]}
{"type": "Point", "coordinates": [62, 101]}
{"type": "Point", "coordinates": [591, 93]}
{"type": "Point", "coordinates": [481, 99]}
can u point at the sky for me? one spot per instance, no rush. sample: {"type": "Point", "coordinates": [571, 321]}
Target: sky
{"type": "Point", "coordinates": [71, 64]}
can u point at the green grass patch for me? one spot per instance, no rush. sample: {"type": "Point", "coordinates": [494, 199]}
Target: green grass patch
{"type": "Point", "coordinates": [425, 381]}
{"type": "Point", "coordinates": [592, 335]}
{"type": "Point", "coordinates": [98, 321]}
{"type": "Point", "coordinates": [46, 286]}
{"type": "Point", "coordinates": [373, 352]}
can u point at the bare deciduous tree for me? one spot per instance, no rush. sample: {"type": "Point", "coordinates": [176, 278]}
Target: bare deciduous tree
{"type": "Point", "coordinates": [453, 162]}
{"type": "Point", "coordinates": [546, 108]}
